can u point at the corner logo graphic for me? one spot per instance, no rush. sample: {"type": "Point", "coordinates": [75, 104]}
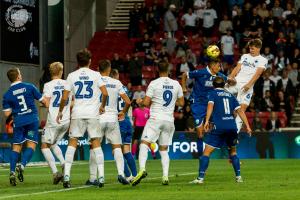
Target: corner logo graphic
{"type": "Point", "coordinates": [16, 17]}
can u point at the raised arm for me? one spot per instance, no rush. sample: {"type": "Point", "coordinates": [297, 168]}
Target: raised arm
{"type": "Point", "coordinates": [235, 71]}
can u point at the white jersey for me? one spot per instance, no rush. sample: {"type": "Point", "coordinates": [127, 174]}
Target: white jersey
{"type": "Point", "coordinates": [164, 93]}
{"type": "Point", "coordinates": [227, 42]}
{"type": "Point", "coordinates": [84, 84]}
{"type": "Point", "coordinates": [54, 90]}
{"type": "Point", "coordinates": [114, 88]}
{"type": "Point", "coordinates": [249, 67]}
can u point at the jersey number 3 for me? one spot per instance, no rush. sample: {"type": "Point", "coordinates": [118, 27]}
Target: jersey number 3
{"type": "Point", "coordinates": [22, 103]}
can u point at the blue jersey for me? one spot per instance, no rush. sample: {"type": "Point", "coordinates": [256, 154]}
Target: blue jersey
{"type": "Point", "coordinates": [20, 100]}
{"type": "Point", "coordinates": [202, 84]}
{"type": "Point", "coordinates": [224, 106]}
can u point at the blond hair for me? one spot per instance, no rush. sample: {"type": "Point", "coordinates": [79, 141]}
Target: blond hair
{"type": "Point", "coordinates": [55, 68]}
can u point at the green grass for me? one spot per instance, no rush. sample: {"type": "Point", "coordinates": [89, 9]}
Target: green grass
{"type": "Point", "coordinates": [263, 179]}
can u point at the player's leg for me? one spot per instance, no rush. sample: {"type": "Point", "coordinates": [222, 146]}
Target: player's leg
{"type": "Point", "coordinates": [213, 140]}
{"type": "Point", "coordinates": [77, 129]}
{"type": "Point", "coordinates": [55, 148]}
{"type": "Point", "coordinates": [48, 139]}
{"type": "Point", "coordinates": [113, 136]}
{"type": "Point", "coordinates": [165, 139]}
{"type": "Point", "coordinates": [136, 138]}
{"type": "Point", "coordinates": [231, 141]}
{"type": "Point", "coordinates": [96, 135]}
{"type": "Point", "coordinates": [93, 169]}
{"type": "Point", "coordinates": [17, 141]}
{"type": "Point", "coordinates": [150, 134]}
{"type": "Point", "coordinates": [126, 134]}
{"type": "Point", "coordinates": [244, 99]}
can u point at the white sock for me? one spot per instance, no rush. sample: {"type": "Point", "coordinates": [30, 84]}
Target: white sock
{"type": "Point", "coordinates": [239, 123]}
{"type": "Point", "coordinates": [50, 159]}
{"type": "Point", "coordinates": [99, 160]}
{"type": "Point", "coordinates": [143, 155]}
{"type": "Point", "coordinates": [69, 160]}
{"type": "Point", "coordinates": [92, 166]}
{"type": "Point", "coordinates": [59, 155]}
{"type": "Point", "coordinates": [118, 155]}
{"type": "Point", "coordinates": [165, 162]}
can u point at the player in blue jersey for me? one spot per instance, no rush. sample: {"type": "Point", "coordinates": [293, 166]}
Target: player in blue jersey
{"type": "Point", "coordinates": [203, 79]}
{"type": "Point", "coordinates": [220, 111]}
{"type": "Point", "coordinates": [126, 134]}
{"type": "Point", "coordinates": [19, 101]}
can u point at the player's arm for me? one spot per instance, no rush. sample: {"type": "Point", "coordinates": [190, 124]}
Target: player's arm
{"type": "Point", "coordinates": [46, 101]}
{"type": "Point", "coordinates": [180, 102]}
{"type": "Point", "coordinates": [254, 78]}
{"type": "Point", "coordinates": [147, 101]}
{"type": "Point", "coordinates": [126, 107]}
{"type": "Point", "coordinates": [62, 104]}
{"type": "Point", "coordinates": [210, 108]}
{"type": "Point", "coordinates": [235, 71]}
{"type": "Point", "coordinates": [104, 98]}
{"type": "Point", "coordinates": [7, 113]}
{"type": "Point", "coordinates": [183, 81]}
{"type": "Point", "coordinates": [243, 116]}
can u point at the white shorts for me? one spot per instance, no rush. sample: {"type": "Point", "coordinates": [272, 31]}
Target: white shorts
{"type": "Point", "coordinates": [111, 131]}
{"type": "Point", "coordinates": [79, 126]}
{"type": "Point", "coordinates": [52, 135]}
{"type": "Point", "coordinates": [160, 130]}
{"type": "Point", "coordinates": [241, 96]}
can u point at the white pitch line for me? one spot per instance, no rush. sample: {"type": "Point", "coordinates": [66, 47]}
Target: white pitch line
{"type": "Point", "coordinates": [81, 187]}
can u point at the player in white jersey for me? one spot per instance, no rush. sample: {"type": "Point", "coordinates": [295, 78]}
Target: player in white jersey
{"type": "Point", "coordinates": [85, 85]}
{"type": "Point", "coordinates": [109, 124]}
{"type": "Point", "coordinates": [245, 74]}
{"type": "Point", "coordinates": [162, 94]}
{"type": "Point", "coordinates": [54, 132]}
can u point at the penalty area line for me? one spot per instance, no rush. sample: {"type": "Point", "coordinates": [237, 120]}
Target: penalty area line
{"type": "Point", "coordinates": [82, 187]}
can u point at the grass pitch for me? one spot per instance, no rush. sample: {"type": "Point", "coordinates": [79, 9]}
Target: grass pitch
{"type": "Point", "coordinates": [263, 179]}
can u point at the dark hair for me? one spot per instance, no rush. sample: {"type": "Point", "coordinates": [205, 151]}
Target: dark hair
{"type": "Point", "coordinates": [12, 74]}
{"type": "Point", "coordinates": [163, 66]}
{"type": "Point", "coordinates": [218, 82]}
{"type": "Point", "coordinates": [83, 57]}
{"type": "Point", "coordinates": [113, 73]}
{"type": "Point", "coordinates": [104, 65]}
{"type": "Point", "coordinates": [213, 61]}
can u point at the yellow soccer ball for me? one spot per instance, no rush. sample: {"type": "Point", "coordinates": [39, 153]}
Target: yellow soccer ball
{"type": "Point", "coordinates": [213, 51]}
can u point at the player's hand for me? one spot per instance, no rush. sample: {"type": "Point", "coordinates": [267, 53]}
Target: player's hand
{"type": "Point", "coordinates": [59, 117]}
{"type": "Point", "coordinates": [139, 101]}
{"type": "Point", "coordinates": [101, 110]}
{"type": "Point", "coordinates": [184, 90]}
{"type": "Point", "coordinates": [121, 116]}
{"type": "Point", "coordinates": [249, 131]}
{"type": "Point", "coordinates": [231, 81]}
{"type": "Point", "coordinates": [206, 126]}
{"type": "Point", "coordinates": [246, 87]}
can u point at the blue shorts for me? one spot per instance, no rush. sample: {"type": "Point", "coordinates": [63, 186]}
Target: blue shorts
{"type": "Point", "coordinates": [220, 138]}
{"type": "Point", "coordinates": [199, 113]}
{"type": "Point", "coordinates": [126, 131]}
{"type": "Point", "coordinates": [27, 132]}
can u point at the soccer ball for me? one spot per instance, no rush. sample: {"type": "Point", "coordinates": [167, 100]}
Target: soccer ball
{"type": "Point", "coordinates": [212, 51]}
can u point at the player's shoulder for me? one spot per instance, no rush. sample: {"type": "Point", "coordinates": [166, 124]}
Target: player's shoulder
{"type": "Point", "coordinates": [262, 58]}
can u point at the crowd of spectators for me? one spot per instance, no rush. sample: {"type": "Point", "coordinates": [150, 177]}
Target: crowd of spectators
{"type": "Point", "coordinates": [178, 31]}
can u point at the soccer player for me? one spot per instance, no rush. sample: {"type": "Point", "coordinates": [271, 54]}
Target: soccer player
{"type": "Point", "coordinates": [86, 85]}
{"type": "Point", "coordinates": [109, 125]}
{"type": "Point", "coordinates": [19, 101]}
{"type": "Point", "coordinates": [54, 132]}
{"type": "Point", "coordinates": [245, 74]}
{"type": "Point", "coordinates": [203, 79]}
{"type": "Point", "coordinates": [126, 134]}
{"type": "Point", "coordinates": [220, 110]}
{"type": "Point", "coordinates": [162, 94]}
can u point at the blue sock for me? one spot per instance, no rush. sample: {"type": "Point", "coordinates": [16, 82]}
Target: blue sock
{"type": "Point", "coordinates": [131, 163]}
{"type": "Point", "coordinates": [236, 165]}
{"type": "Point", "coordinates": [203, 165]}
{"type": "Point", "coordinates": [200, 147]}
{"type": "Point", "coordinates": [126, 170]}
{"type": "Point", "coordinates": [26, 156]}
{"type": "Point", "coordinates": [14, 156]}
